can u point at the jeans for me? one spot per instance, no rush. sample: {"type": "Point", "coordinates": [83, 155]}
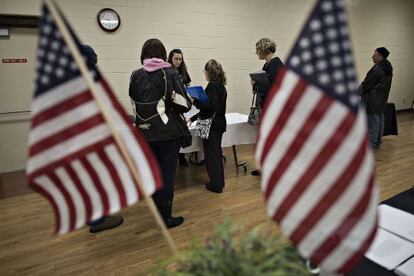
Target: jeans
{"type": "Point", "coordinates": [375, 129]}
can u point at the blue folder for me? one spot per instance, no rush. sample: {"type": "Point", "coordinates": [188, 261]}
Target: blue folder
{"type": "Point", "coordinates": [197, 92]}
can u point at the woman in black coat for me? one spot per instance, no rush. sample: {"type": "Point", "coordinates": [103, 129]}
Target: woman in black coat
{"type": "Point", "coordinates": [215, 108]}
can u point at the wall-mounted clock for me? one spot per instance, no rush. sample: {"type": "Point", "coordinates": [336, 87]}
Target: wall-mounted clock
{"type": "Point", "coordinates": [108, 20]}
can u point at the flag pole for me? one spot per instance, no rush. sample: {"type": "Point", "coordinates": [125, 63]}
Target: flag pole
{"type": "Point", "coordinates": [91, 84]}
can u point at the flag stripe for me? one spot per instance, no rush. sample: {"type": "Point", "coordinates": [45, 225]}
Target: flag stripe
{"type": "Point", "coordinates": [317, 164]}
{"type": "Point", "coordinates": [295, 140]}
{"type": "Point", "coordinates": [61, 108]}
{"type": "Point", "coordinates": [58, 94]}
{"type": "Point", "coordinates": [66, 134]}
{"type": "Point", "coordinates": [132, 192]}
{"type": "Point", "coordinates": [67, 148]}
{"type": "Point", "coordinates": [335, 191]}
{"type": "Point", "coordinates": [59, 123]}
{"type": "Point", "coordinates": [105, 179]}
{"type": "Point", "coordinates": [332, 171]}
{"type": "Point", "coordinates": [96, 183]}
{"type": "Point", "coordinates": [113, 176]}
{"type": "Point", "coordinates": [91, 191]}
{"type": "Point", "coordinates": [287, 110]}
{"type": "Point", "coordinates": [85, 197]}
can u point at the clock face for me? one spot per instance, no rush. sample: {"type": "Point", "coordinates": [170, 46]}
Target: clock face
{"type": "Point", "coordinates": [109, 20]}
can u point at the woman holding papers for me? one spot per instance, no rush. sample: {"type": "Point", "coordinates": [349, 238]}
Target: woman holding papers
{"type": "Point", "coordinates": [214, 108]}
{"type": "Point", "coordinates": [159, 100]}
{"type": "Point", "coordinates": [265, 50]}
{"type": "Point", "coordinates": [176, 59]}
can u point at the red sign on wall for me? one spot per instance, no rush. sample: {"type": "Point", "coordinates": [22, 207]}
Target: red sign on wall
{"type": "Point", "coordinates": [14, 60]}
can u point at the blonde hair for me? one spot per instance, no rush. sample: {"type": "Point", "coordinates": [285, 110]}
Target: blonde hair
{"type": "Point", "coordinates": [215, 72]}
{"type": "Point", "coordinates": [265, 46]}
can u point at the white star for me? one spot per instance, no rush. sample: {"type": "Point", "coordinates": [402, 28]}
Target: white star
{"type": "Point", "coordinates": [65, 50]}
{"type": "Point", "coordinates": [306, 56]}
{"type": "Point", "coordinates": [322, 65]}
{"type": "Point", "coordinates": [344, 31]}
{"type": "Point", "coordinates": [348, 59]}
{"type": "Point", "coordinates": [51, 56]}
{"type": "Point", "coordinates": [317, 38]}
{"type": "Point", "coordinates": [60, 72]}
{"type": "Point", "coordinates": [346, 45]}
{"type": "Point", "coordinates": [352, 85]}
{"type": "Point", "coordinates": [327, 6]}
{"type": "Point", "coordinates": [57, 34]}
{"type": "Point", "coordinates": [338, 75]}
{"type": "Point", "coordinates": [40, 53]}
{"type": "Point", "coordinates": [48, 68]}
{"type": "Point", "coordinates": [320, 51]}
{"type": "Point", "coordinates": [46, 29]}
{"type": "Point", "coordinates": [315, 25]}
{"type": "Point", "coordinates": [304, 42]}
{"type": "Point", "coordinates": [324, 78]}
{"type": "Point", "coordinates": [308, 69]}
{"type": "Point", "coordinates": [329, 19]}
{"type": "Point", "coordinates": [350, 72]}
{"type": "Point", "coordinates": [73, 66]}
{"type": "Point", "coordinates": [44, 79]}
{"type": "Point", "coordinates": [342, 17]}
{"type": "Point", "coordinates": [336, 61]}
{"type": "Point", "coordinates": [63, 61]}
{"type": "Point", "coordinates": [55, 45]}
{"type": "Point", "coordinates": [339, 3]}
{"type": "Point", "coordinates": [354, 99]}
{"type": "Point", "coordinates": [334, 47]}
{"type": "Point", "coordinates": [332, 34]}
{"type": "Point", "coordinates": [294, 61]}
{"type": "Point", "coordinates": [340, 89]}
{"type": "Point", "coordinates": [43, 41]}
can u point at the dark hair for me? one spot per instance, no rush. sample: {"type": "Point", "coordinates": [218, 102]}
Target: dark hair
{"type": "Point", "coordinates": [215, 71]}
{"type": "Point", "coordinates": [153, 48]}
{"type": "Point", "coordinates": [89, 53]}
{"type": "Point", "coordinates": [383, 52]}
{"type": "Point", "coordinates": [182, 70]}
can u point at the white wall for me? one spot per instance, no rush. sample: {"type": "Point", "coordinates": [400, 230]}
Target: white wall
{"type": "Point", "coordinates": [226, 30]}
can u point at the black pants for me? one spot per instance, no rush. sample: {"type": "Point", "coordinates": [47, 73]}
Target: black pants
{"type": "Point", "coordinates": [166, 153]}
{"type": "Point", "coordinates": [214, 159]}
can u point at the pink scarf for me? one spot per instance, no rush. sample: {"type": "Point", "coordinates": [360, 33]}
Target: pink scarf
{"type": "Point", "coordinates": [154, 64]}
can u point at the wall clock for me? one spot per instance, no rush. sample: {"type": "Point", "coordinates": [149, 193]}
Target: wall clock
{"type": "Point", "coordinates": [108, 20]}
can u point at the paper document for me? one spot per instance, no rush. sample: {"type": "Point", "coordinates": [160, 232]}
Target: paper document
{"type": "Point", "coordinates": [389, 250]}
{"type": "Point", "coordinates": [396, 221]}
{"type": "Point", "coordinates": [406, 269]}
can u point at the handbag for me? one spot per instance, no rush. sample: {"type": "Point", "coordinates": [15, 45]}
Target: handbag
{"type": "Point", "coordinates": [255, 111]}
{"type": "Point", "coordinates": [203, 126]}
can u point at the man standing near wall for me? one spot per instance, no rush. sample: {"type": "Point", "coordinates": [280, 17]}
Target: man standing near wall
{"type": "Point", "coordinates": [375, 90]}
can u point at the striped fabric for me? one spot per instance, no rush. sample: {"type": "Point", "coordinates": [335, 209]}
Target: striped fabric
{"type": "Point", "coordinates": [317, 169]}
{"type": "Point", "coordinates": [73, 158]}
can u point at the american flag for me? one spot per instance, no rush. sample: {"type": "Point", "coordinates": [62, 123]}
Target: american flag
{"type": "Point", "coordinates": [73, 158]}
{"type": "Point", "coordinates": [317, 170]}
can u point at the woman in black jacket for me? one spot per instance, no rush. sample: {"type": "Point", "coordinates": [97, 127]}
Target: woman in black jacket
{"type": "Point", "coordinates": [159, 100]}
{"type": "Point", "coordinates": [265, 50]}
{"type": "Point", "coordinates": [215, 108]}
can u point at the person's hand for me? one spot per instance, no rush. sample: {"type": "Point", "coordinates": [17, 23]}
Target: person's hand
{"type": "Point", "coordinates": [188, 121]}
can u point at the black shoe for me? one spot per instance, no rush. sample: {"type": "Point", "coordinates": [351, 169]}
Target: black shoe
{"type": "Point", "coordinates": [182, 160]}
{"type": "Point", "coordinates": [107, 222]}
{"type": "Point", "coordinates": [174, 222]}
{"type": "Point", "coordinates": [201, 163]}
{"type": "Point", "coordinates": [256, 173]}
{"type": "Point", "coordinates": [209, 188]}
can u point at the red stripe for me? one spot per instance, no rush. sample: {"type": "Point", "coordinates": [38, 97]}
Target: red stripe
{"type": "Point", "coordinates": [52, 201]}
{"type": "Point", "coordinates": [337, 188]}
{"type": "Point", "coordinates": [317, 164]}
{"type": "Point", "coordinates": [69, 158]}
{"type": "Point", "coordinates": [61, 108]}
{"type": "Point", "coordinates": [95, 179]}
{"type": "Point", "coordinates": [341, 232]}
{"type": "Point", "coordinates": [153, 164]}
{"type": "Point", "coordinates": [115, 177]}
{"type": "Point", "coordinates": [86, 200]}
{"type": "Point", "coordinates": [358, 256]}
{"type": "Point", "coordinates": [289, 107]}
{"type": "Point", "coordinates": [314, 118]}
{"type": "Point", "coordinates": [66, 134]}
{"type": "Point", "coordinates": [68, 199]}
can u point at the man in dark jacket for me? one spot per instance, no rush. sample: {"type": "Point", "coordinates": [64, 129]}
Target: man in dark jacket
{"type": "Point", "coordinates": [375, 90]}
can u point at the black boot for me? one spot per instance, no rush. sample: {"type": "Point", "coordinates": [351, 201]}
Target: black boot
{"type": "Point", "coordinates": [165, 209]}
